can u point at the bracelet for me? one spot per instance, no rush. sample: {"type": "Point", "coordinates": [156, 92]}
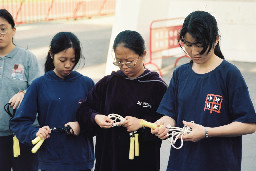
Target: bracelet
{"type": "Point", "coordinates": [206, 132]}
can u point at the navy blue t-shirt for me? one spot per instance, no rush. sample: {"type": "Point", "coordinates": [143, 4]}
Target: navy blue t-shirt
{"type": "Point", "coordinates": [213, 99]}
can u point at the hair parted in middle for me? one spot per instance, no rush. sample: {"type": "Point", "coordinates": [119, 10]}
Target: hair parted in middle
{"type": "Point", "coordinates": [203, 27]}
{"type": "Point", "coordinates": [131, 40]}
{"type": "Point", "coordinates": [60, 42]}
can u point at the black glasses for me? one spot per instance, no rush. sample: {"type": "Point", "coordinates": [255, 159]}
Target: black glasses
{"type": "Point", "coordinates": [129, 64]}
{"type": "Point", "coordinates": [7, 109]}
{"type": "Point", "coordinates": [186, 44]}
{"type": "Point", "coordinates": [3, 30]}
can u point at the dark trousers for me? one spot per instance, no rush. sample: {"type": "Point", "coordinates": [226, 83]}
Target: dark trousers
{"type": "Point", "coordinates": [26, 161]}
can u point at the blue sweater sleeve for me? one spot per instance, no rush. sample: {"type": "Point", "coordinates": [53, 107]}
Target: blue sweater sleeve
{"type": "Point", "coordinates": [93, 104]}
{"type": "Point", "coordinates": [22, 123]}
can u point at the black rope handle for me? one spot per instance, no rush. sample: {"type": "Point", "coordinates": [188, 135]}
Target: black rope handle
{"type": "Point", "coordinates": [7, 109]}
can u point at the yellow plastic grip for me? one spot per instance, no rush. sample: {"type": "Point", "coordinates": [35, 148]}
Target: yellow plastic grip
{"type": "Point", "coordinates": [136, 144]}
{"type": "Point", "coordinates": [34, 141]}
{"type": "Point", "coordinates": [131, 153]}
{"type": "Point", "coordinates": [37, 146]}
{"type": "Point", "coordinates": [148, 124]}
{"type": "Point", "coordinates": [16, 146]}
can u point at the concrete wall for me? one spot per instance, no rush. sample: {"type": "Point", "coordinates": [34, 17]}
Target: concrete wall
{"type": "Point", "coordinates": [236, 20]}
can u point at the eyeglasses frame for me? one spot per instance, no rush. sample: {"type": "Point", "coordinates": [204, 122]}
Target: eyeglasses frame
{"type": "Point", "coordinates": [4, 33]}
{"type": "Point", "coordinates": [119, 64]}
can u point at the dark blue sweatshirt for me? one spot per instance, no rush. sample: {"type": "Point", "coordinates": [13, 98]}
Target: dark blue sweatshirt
{"type": "Point", "coordinates": [118, 94]}
{"type": "Point", "coordinates": [56, 101]}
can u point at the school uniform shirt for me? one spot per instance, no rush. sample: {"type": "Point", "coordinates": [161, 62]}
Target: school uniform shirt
{"type": "Point", "coordinates": [213, 99]}
{"type": "Point", "coordinates": [17, 71]}
{"type": "Point", "coordinates": [137, 97]}
{"type": "Point", "coordinates": [56, 100]}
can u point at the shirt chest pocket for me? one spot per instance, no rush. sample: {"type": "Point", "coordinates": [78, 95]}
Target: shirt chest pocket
{"type": "Point", "coordinates": [18, 72]}
{"type": "Point", "coordinates": [16, 77]}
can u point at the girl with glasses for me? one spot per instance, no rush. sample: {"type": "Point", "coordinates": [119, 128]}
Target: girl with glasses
{"type": "Point", "coordinates": [56, 97]}
{"type": "Point", "coordinates": [211, 92]}
{"type": "Point", "coordinates": [18, 67]}
{"type": "Point", "coordinates": [132, 92]}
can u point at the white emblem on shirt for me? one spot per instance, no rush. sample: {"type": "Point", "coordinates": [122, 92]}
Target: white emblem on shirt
{"type": "Point", "coordinates": [217, 100]}
{"type": "Point", "coordinates": [144, 104]}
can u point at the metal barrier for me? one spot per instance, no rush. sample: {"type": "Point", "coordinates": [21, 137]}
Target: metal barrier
{"type": "Point", "coordinates": [31, 11]}
{"type": "Point", "coordinates": [163, 38]}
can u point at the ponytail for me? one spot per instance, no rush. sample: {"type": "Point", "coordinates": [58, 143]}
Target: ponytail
{"type": "Point", "coordinates": [218, 52]}
{"type": "Point", "coordinates": [48, 66]}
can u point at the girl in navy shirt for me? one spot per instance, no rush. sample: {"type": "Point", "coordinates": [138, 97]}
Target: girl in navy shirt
{"type": "Point", "coordinates": [211, 92]}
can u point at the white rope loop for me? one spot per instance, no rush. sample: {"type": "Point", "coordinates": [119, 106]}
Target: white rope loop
{"type": "Point", "coordinates": [175, 132]}
{"type": "Point", "coordinates": [134, 141]}
{"type": "Point", "coordinates": [116, 118]}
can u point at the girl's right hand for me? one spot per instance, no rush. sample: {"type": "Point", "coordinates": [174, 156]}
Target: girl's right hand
{"type": "Point", "coordinates": [160, 131]}
{"type": "Point", "coordinates": [103, 121]}
{"type": "Point", "coordinates": [44, 132]}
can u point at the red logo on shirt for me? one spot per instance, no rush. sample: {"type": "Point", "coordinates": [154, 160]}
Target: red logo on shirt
{"type": "Point", "coordinates": [213, 103]}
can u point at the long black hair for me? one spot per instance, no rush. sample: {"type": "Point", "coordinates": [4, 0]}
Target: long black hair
{"type": "Point", "coordinates": [203, 27]}
{"type": "Point", "coordinates": [62, 41]}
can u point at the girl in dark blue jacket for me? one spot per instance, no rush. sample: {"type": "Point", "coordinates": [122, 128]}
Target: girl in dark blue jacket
{"type": "Point", "coordinates": [56, 97]}
{"type": "Point", "coordinates": [132, 92]}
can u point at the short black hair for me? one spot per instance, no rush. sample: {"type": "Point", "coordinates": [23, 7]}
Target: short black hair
{"type": "Point", "coordinates": [7, 16]}
{"type": "Point", "coordinates": [131, 40]}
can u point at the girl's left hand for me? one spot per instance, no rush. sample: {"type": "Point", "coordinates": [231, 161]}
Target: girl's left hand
{"type": "Point", "coordinates": [197, 133]}
{"type": "Point", "coordinates": [75, 126]}
{"type": "Point", "coordinates": [16, 99]}
{"type": "Point", "coordinates": [131, 123]}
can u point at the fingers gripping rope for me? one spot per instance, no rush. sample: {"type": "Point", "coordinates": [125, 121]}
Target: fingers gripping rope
{"type": "Point", "coordinates": [116, 118]}
{"type": "Point", "coordinates": [173, 132]}
{"type": "Point", "coordinates": [149, 124]}
{"type": "Point", "coordinates": [38, 141]}
{"type": "Point", "coordinates": [134, 136]}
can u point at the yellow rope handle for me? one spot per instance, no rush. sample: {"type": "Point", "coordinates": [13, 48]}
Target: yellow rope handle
{"type": "Point", "coordinates": [16, 146]}
{"type": "Point", "coordinates": [149, 124]}
{"type": "Point", "coordinates": [34, 141]}
{"type": "Point", "coordinates": [37, 146]}
{"type": "Point", "coordinates": [136, 144]}
{"type": "Point", "coordinates": [131, 153]}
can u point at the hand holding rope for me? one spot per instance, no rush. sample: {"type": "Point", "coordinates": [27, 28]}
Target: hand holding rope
{"type": "Point", "coordinates": [174, 133]}
{"type": "Point", "coordinates": [38, 141]}
{"type": "Point", "coordinates": [134, 136]}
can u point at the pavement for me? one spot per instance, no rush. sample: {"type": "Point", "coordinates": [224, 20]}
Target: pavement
{"type": "Point", "coordinates": [94, 35]}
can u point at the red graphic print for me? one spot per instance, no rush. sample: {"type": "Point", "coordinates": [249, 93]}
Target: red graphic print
{"type": "Point", "coordinates": [213, 103]}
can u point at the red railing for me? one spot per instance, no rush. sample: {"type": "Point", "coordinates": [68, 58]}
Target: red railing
{"type": "Point", "coordinates": [163, 36]}
{"type": "Point", "coordinates": [31, 11]}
